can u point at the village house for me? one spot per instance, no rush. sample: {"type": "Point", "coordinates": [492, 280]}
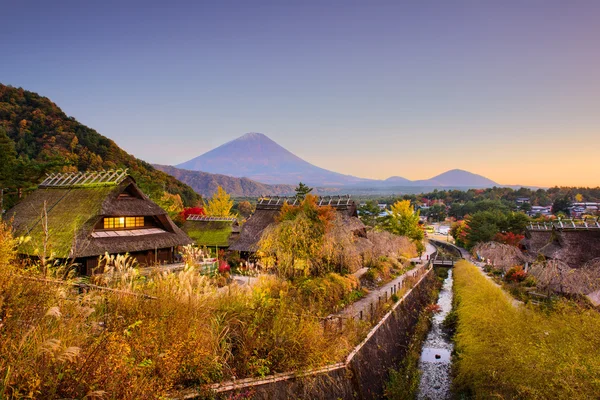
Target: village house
{"type": "Point", "coordinates": [81, 216]}
{"type": "Point", "coordinates": [267, 209]}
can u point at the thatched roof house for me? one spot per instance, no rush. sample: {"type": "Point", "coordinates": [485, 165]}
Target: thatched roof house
{"type": "Point", "coordinates": [267, 209]}
{"type": "Point", "coordinates": [212, 231]}
{"type": "Point", "coordinates": [82, 216]}
{"type": "Point", "coordinates": [573, 244]}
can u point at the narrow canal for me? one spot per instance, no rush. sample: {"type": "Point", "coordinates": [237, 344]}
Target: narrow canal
{"type": "Point", "coordinates": [435, 361]}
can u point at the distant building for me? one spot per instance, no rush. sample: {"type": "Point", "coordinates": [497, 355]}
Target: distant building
{"type": "Point", "coordinates": [522, 200]}
{"type": "Point", "coordinates": [89, 214]}
{"type": "Point", "coordinates": [542, 210]}
{"type": "Point", "coordinates": [579, 209]}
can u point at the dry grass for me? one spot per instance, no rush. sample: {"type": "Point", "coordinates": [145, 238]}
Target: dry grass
{"type": "Point", "coordinates": [386, 244]}
{"type": "Point", "coordinates": [58, 343]}
{"type": "Point", "coordinates": [506, 352]}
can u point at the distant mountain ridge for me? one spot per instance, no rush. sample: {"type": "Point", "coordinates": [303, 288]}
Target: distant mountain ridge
{"type": "Point", "coordinates": [456, 177]}
{"type": "Point", "coordinates": [257, 157]}
{"type": "Point", "coordinates": [206, 184]}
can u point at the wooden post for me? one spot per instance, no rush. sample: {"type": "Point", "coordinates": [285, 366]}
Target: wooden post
{"type": "Point", "coordinates": [361, 314]}
{"type": "Point", "coordinates": [340, 323]}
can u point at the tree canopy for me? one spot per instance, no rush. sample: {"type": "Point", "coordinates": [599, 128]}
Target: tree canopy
{"type": "Point", "coordinates": [220, 204]}
{"type": "Point", "coordinates": [485, 226]}
{"type": "Point", "coordinates": [404, 221]}
{"type": "Point", "coordinates": [308, 240]}
{"type": "Point", "coordinates": [302, 190]}
{"type": "Point", "coordinates": [369, 213]}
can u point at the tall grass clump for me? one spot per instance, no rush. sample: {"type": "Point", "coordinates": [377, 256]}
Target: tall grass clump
{"type": "Point", "coordinates": [507, 351]}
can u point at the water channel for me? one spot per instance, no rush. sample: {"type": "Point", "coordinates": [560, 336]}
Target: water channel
{"type": "Point", "coordinates": [435, 361]}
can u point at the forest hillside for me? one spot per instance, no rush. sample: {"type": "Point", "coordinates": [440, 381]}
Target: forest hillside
{"type": "Point", "coordinates": [37, 137]}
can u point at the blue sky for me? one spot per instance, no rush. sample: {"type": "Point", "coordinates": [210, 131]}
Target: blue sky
{"type": "Point", "coordinates": [373, 89]}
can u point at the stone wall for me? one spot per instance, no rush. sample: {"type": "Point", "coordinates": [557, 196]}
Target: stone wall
{"type": "Point", "coordinates": [361, 376]}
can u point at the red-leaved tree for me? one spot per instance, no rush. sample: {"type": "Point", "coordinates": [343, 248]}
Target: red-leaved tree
{"type": "Point", "coordinates": [191, 211]}
{"type": "Point", "coordinates": [509, 238]}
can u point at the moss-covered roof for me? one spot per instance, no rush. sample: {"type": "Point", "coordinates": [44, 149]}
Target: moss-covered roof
{"type": "Point", "coordinates": [206, 233]}
{"type": "Point", "coordinates": [72, 214]}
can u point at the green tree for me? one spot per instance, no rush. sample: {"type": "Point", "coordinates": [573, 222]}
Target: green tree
{"type": "Point", "coordinates": [220, 204]}
{"type": "Point", "coordinates": [369, 213]}
{"type": "Point", "coordinates": [561, 204]}
{"type": "Point", "coordinates": [437, 212]}
{"type": "Point", "coordinates": [8, 160]}
{"type": "Point", "coordinates": [526, 207]}
{"type": "Point", "coordinates": [302, 190]}
{"type": "Point", "coordinates": [402, 220]}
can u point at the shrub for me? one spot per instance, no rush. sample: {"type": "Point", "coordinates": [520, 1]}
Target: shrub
{"type": "Point", "coordinates": [515, 274]}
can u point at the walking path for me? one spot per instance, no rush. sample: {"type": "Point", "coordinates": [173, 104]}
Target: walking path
{"type": "Point", "coordinates": [367, 304]}
{"type": "Point", "coordinates": [467, 256]}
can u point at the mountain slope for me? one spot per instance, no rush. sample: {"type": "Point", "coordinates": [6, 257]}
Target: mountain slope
{"type": "Point", "coordinates": [206, 184]}
{"type": "Point", "coordinates": [47, 140]}
{"type": "Point", "coordinates": [259, 158]}
{"type": "Point", "coordinates": [457, 178]}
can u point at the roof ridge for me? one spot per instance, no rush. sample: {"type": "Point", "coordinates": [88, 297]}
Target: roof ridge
{"type": "Point", "coordinates": [108, 177]}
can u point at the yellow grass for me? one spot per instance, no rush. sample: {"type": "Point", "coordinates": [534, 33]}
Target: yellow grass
{"type": "Point", "coordinates": [58, 343]}
{"type": "Point", "coordinates": [521, 352]}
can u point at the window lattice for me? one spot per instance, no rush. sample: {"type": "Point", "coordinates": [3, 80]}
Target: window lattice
{"type": "Point", "coordinates": [123, 222]}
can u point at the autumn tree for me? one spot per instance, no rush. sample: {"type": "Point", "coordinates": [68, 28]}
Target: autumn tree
{"type": "Point", "coordinates": [402, 220]}
{"type": "Point", "coordinates": [173, 205]}
{"type": "Point", "coordinates": [308, 240]}
{"type": "Point", "coordinates": [245, 209]}
{"type": "Point", "coordinates": [485, 226]}
{"type": "Point", "coordinates": [220, 204]}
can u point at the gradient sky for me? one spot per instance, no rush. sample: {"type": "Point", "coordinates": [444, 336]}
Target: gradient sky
{"type": "Point", "coordinates": [506, 89]}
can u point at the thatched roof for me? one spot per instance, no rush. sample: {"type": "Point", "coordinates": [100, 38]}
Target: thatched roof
{"type": "Point", "coordinates": [253, 229]}
{"type": "Point", "coordinates": [210, 233]}
{"type": "Point", "coordinates": [266, 214]}
{"type": "Point", "coordinates": [536, 239]}
{"type": "Point", "coordinates": [74, 211]}
{"type": "Point", "coordinates": [572, 246]}
{"type": "Point", "coordinates": [558, 276]}
{"type": "Point", "coordinates": [501, 255]}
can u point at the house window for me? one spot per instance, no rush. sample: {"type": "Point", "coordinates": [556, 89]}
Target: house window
{"type": "Point", "coordinates": [123, 222]}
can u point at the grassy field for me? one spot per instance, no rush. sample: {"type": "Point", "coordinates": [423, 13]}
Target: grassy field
{"type": "Point", "coordinates": [508, 352]}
